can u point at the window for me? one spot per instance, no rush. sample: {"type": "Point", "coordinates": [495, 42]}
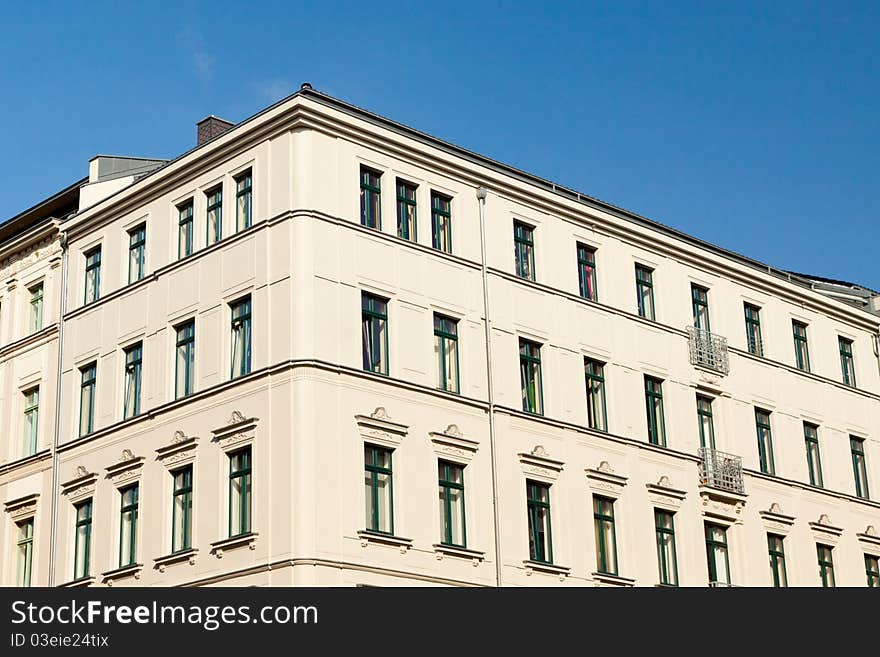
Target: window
{"type": "Point", "coordinates": [524, 250]}
{"type": "Point", "coordinates": [378, 489]}
{"type": "Point", "coordinates": [860, 470]}
{"type": "Point", "coordinates": [35, 317]}
{"type": "Point", "coordinates": [654, 407]}
{"type": "Point", "coordinates": [185, 361]}
{"type": "Point", "coordinates": [452, 523]}
{"type": "Point", "coordinates": [371, 209]}
{"type": "Point", "coordinates": [777, 560]}
{"type": "Point", "coordinates": [137, 253]}
{"type": "Point", "coordinates": [664, 527]}
{"type": "Point", "coordinates": [530, 377]}
{"type": "Point", "coordinates": [181, 509]}
{"type": "Point", "coordinates": [93, 275]}
{"type": "Point", "coordinates": [706, 422]}
{"type": "Point", "coordinates": [185, 229]}
{"type": "Point", "coordinates": [847, 367]}
{"type": "Point", "coordinates": [645, 291]}
{"type": "Point", "coordinates": [25, 550]}
{"type": "Point", "coordinates": [716, 555]}
{"type": "Point", "coordinates": [753, 330]}
{"type": "Point", "coordinates": [765, 441]}
{"type": "Point", "coordinates": [586, 258]}
{"type": "Point", "coordinates": [801, 348]}
{"type": "Point", "coordinates": [606, 541]}
{"type": "Point", "coordinates": [243, 201]}
{"type": "Point", "coordinates": [872, 570]}
{"type": "Point", "coordinates": [406, 211]}
{"type": "Point", "coordinates": [88, 374]}
{"type": "Point", "coordinates": [214, 215]}
{"type": "Point", "coordinates": [241, 337]}
{"type": "Point", "coordinates": [594, 373]}
{"type": "Point", "coordinates": [700, 305]}
{"type": "Point", "coordinates": [814, 462]}
{"type": "Point", "coordinates": [446, 350]}
{"type": "Point", "coordinates": [374, 333]}
{"type": "Point", "coordinates": [133, 365]}
{"type": "Point", "coordinates": [128, 516]}
{"type": "Point", "coordinates": [82, 545]}
{"type": "Point", "coordinates": [441, 222]}
{"type": "Point", "coordinates": [240, 492]}
{"type": "Point", "coordinates": [31, 421]}
{"type": "Point", "coordinates": [538, 506]}
{"type": "Point", "coordinates": [826, 565]}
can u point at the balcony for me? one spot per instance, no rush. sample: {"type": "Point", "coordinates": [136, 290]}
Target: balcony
{"type": "Point", "coordinates": [708, 350]}
{"type": "Point", "coordinates": [721, 471]}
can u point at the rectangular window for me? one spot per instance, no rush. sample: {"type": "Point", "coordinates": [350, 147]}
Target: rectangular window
{"type": "Point", "coordinates": [700, 305]}
{"type": "Point", "coordinates": [777, 560]}
{"type": "Point", "coordinates": [826, 565]}
{"type": "Point", "coordinates": [530, 377]}
{"type": "Point", "coordinates": [765, 441]}
{"type": "Point", "coordinates": [185, 229]}
{"type": "Point", "coordinates": [716, 555]}
{"type": "Point", "coordinates": [88, 375]}
{"type": "Point", "coordinates": [31, 421]}
{"type": "Point", "coordinates": [594, 373]}
{"type": "Point", "coordinates": [406, 211]}
{"type": "Point", "coordinates": [137, 253]}
{"type": "Point", "coordinates": [706, 422]}
{"type": "Point", "coordinates": [606, 541]}
{"type": "Point", "coordinates": [378, 491]}
{"type": "Point", "coordinates": [181, 509]}
{"type": "Point", "coordinates": [214, 215]}
{"type": "Point", "coordinates": [93, 275]}
{"type": "Point", "coordinates": [847, 366]}
{"type": "Point", "coordinates": [645, 291]}
{"type": "Point", "coordinates": [524, 250]}
{"type": "Point", "coordinates": [538, 506]}
{"type": "Point", "coordinates": [133, 366]}
{"type": "Point", "coordinates": [446, 352]}
{"type": "Point", "coordinates": [241, 337]}
{"type": "Point", "coordinates": [872, 570]}
{"type": "Point", "coordinates": [371, 193]}
{"type": "Point", "coordinates": [243, 201]}
{"type": "Point", "coordinates": [240, 492]}
{"type": "Point", "coordinates": [753, 330]}
{"type": "Point", "coordinates": [374, 333]}
{"type": "Point", "coordinates": [35, 317]}
{"type": "Point", "coordinates": [128, 517]}
{"type": "Point", "coordinates": [82, 540]}
{"type": "Point", "coordinates": [25, 551]}
{"type": "Point", "coordinates": [586, 258]}
{"type": "Point", "coordinates": [664, 526]}
{"type": "Point", "coordinates": [801, 348]}
{"type": "Point", "coordinates": [860, 469]}
{"type": "Point", "coordinates": [654, 407]}
{"type": "Point", "coordinates": [185, 359]}
{"type": "Point", "coordinates": [452, 523]}
{"type": "Point", "coordinates": [441, 222]}
{"type": "Point", "coordinates": [814, 461]}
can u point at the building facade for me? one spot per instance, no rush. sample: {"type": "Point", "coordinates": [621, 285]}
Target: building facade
{"type": "Point", "coordinates": [322, 348]}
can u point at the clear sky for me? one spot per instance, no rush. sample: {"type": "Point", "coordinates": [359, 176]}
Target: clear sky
{"type": "Point", "coordinates": [754, 125]}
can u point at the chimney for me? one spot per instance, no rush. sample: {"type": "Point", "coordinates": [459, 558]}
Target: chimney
{"type": "Point", "coordinates": [210, 127]}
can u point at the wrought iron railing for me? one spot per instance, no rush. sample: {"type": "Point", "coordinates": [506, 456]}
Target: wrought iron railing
{"type": "Point", "coordinates": [707, 349]}
{"type": "Point", "coordinates": [720, 470]}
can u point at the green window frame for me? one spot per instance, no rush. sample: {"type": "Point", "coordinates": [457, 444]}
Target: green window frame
{"type": "Point", "coordinates": [24, 548]}
{"type": "Point", "coordinates": [35, 317]}
{"type": "Point", "coordinates": [700, 307]}
{"type": "Point", "coordinates": [374, 333]}
{"type": "Point", "coordinates": [181, 509]}
{"type": "Point", "coordinates": [379, 489]}
{"type": "Point", "coordinates": [371, 195]}
{"type": "Point", "coordinates": [754, 343]}
{"type": "Point", "coordinates": [872, 570]}
{"type": "Point", "coordinates": [82, 544]}
{"type": "Point", "coordinates": [137, 253]}
{"type": "Point", "coordinates": [185, 359]}
{"type": "Point", "coordinates": [706, 422]}
{"type": "Point", "coordinates": [407, 211]}
{"type": "Point", "coordinates": [185, 229]}
{"type": "Point", "coordinates": [88, 378]}
{"type": "Point", "coordinates": [847, 365]}
{"type": "Point", "coordinates": [654, 409]}
{"type": "Point", "coordinates": [453, 527]}
{"type": "Point", "coordinates": [530, 377]}
{"type": "Point", "coordinates": [240, 492]}
{"type": "Point", "coordinates": [244, 201]}
{"type": "Point", "coordinates": [814, 459]}
{"type": "Point", "coordinates": [214, 215]}
{"type": "Point", "coordinates": [128, 518]}
{"type": "Point", "coordinates": [717, 556]}
{"type": "Point", "coordinates": [31, 421]}
{"type": "Point", "coordinates": [446, 350]}
{"type": "Point", "coordinates": [540, 530]}
{"type": "Point", "coordinates": [776, 552]}
{"type": "Point", "coordinates": [645, 291]}
{"type": "Point", "coordinates": [801, 345]}
{"type": "Point", "coordinates": [667, 560]}
{"type": "Point", "coordinates": [765, 441]}
{"type": "Point", "coordinates": [594, 375]}
{"type": "Point", "coordinates": [860, 467]}
{"type": "Point", "coordinates": [825, 555]}
{"type": "Point", "coordinates": [131, 405]}
{"type": "Point", "coordinates": [441, 222]}
{"type": "Point", "coordinates": [93, 276]}
{"type": "Point", "coordinates": [606, 538]}
{"type": "Point", "coordinates": [524, 250]}
{"type": "Point", "coordinates": [586, 262]}
{"type": "Point", "coordinates": [241, 337]}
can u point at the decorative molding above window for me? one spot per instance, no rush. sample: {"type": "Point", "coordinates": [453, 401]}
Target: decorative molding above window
{"type": "Point", "coordinates": [451, 444]}
{"type": "Point", "coordinates": [441, 550]}
{"type": "Point", "coordinates": [367, 537]}
{"type": "Point", "coordinates": [126, 470]}
{"type": "Point", "coordinates": [870, 540]}
{"type": "Point", "coordinates": [378, 429]}
{"type": "Point", "coordinates": [722, 506]}
{"type": "Point", "coordinates": [776, 521]}
{"type": "Point", "coordinates": [181, 451]}
{"type": "Point", "coordinates": [664, 495]}
{"type": "Point", "coordinates": [602, 479]}
{"type": "Point", "coordinates": [606, 579]}
{"type": "Point", "coordinates": [161, 563]}
{"type": "Point", "coordinates": [81, 486]}
{"type": "Point", "coordinates": [547, 568]}
{"type": "Point", "coordinates": [538, 465]}
{"type": "Point", "coordinates": [22, 508]}
{"type": "Point", "coordinates": [117, 574]}
{"type": "Point", "coordinates": [239, 431]}
{"type": "Point", "coordinates": [824, 531]}
{"type": "Point", "coordinates": [227, 544]}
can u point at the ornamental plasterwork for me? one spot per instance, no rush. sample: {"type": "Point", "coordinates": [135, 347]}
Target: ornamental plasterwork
{"type": "Point", "coordinates": [181, 450]}
{"type": "Point", "coordinates": [775, 520]}
{"type": "Point", "coordinates": [22, 260]}
{"type": "Point", "coordinates": [239, 430]}
{"type": "Point", "coordinates": [722, 506]}
{"type": "Point", "coordinates": [825, 531]}
{"type": "Point", "coordinates": [453, 445]}
{"type": "Point", "coordinates": [870, 540]}
{"type": "Point", "coordinates": [81, 486]}
{"type": "Point", "coordinates": [537, 464]}
{"type": "Point", "coordinates": [665, 495]}
{"type": "Point", "coordinates": [379, 428]}
{"type": "Point", "coordinates": [127, 469]}
{"type": "Point", "coordinates": [604, 480]}
{"type": "Point", "coordinates": [22, 507]}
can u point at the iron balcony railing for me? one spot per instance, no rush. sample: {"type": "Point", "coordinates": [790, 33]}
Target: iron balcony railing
{"type": "Point", "coordinates": [708, 350]}
{"type": "Point", "coordinates": [720, 470]}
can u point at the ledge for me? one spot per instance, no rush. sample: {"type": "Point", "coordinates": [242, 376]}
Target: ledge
{"type": "Point", "coordinates": [548, 568]}
{"type": "Point", "coordinates": [366, 537]}
{"type": "Point", "coordinates": [131, 570]}
{"type": "Point", "coordinates": [234, 542]}
{"type": "Point", "coordinates": [442, 550]}
{"type": "Point", "coordinates": [607, 579]}
{"type": "Point", "coordinates": [189, 555]}
{"type": "Point", "coordinates": [80, 583]}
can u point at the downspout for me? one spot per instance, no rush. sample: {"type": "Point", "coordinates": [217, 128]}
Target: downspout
{"type": "Point", "coordinates": [482, 192]}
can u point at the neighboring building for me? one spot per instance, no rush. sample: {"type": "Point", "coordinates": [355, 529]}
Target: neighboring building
{"type": "Point", "coordinates": [274, 371]}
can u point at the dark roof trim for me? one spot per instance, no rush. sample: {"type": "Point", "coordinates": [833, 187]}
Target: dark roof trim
{"type": "Point", "coordinates": [834, 281]}
{"type": "Point", "coordinates": [42, 211]}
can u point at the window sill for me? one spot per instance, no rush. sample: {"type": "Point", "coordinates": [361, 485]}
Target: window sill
{"type": "Point", "coordinates": [607, 579]}
{"type": "Point", "coordinates": [541, 567]}
{"type": "Point", "coordinates": [441, 550]}
{"type": "Point", "coordinates": [366, 537]}
{"type": "Point", "coordinates": [189, 555]}
{"type": "Point", "coordinates": [132, 570]}
{"type": "Point", "coordinates": [234, 542]}
{"type": "Point", "coordinates": [80, 583]}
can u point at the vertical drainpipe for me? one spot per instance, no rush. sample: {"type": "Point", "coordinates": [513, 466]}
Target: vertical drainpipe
{"type": "Point", "coordinates": [482, 192]}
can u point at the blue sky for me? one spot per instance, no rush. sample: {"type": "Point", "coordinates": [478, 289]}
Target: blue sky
{"type": "Point", "coordinates": [753, 125]}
